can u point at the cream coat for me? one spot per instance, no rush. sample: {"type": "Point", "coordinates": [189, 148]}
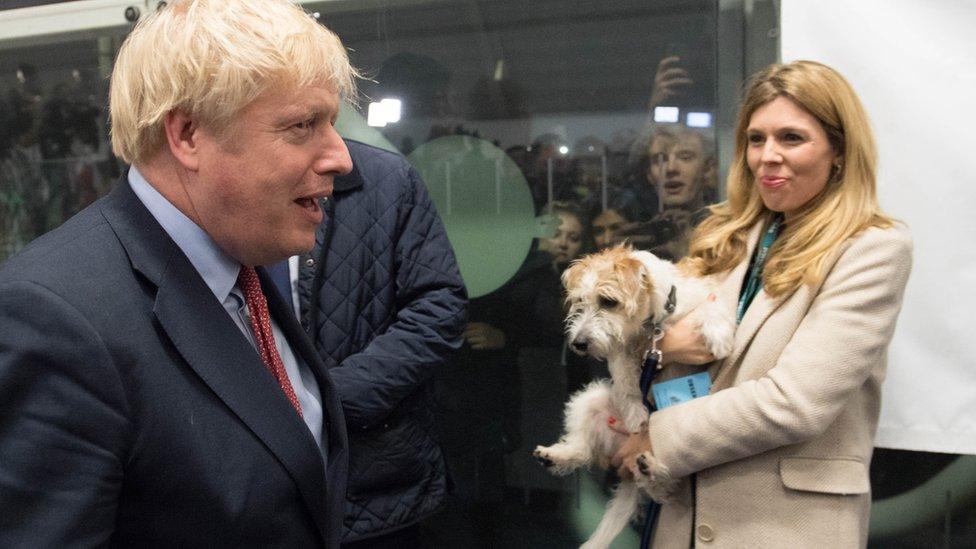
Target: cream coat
{"type": "Point", "coordinates": [780, 449]}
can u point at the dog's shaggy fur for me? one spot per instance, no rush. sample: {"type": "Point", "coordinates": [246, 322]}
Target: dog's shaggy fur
{"type": "Point", "coordinates": [614, 297]}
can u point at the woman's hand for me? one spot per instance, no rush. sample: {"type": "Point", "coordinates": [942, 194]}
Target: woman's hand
{"type": "Point", "coordinates": [484, 337]}
{"type": "Point", "coordinates": [626, 457]}
{"type": "Point", "coordinates": [683, 342]}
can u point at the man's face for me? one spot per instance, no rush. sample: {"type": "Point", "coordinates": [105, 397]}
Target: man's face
{"type": "Point", "coordinates": [678, 170]}
{"type": "Point", "coordinates": [258, 186]}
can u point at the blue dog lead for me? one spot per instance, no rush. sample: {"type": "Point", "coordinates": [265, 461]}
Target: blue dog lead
{"type": "Point", "coordinates": [650, 369]}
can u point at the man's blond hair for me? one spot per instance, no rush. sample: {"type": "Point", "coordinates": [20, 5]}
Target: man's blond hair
{"type": "Point", "coordinates": [212, 58]}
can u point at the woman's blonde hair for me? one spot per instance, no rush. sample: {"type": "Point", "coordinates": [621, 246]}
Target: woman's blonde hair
{"type": "Point", "coordinates": [212, 58]}
{"type": "Point", "coordinates": [846, 205]}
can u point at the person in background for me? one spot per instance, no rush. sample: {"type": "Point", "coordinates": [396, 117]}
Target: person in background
{"type": "Point", "coordinates": [154, 390]}
{"type": "Point", "coordinates": [815, 273]}
{"type": "Point", "coordinates": [608, 223]}
{"type": "Point", "coordinates": [680, 167]}
{"type": "Point", "coordinates": [571, 237]}
{"type": "Point", "coordinates": [383, 301]}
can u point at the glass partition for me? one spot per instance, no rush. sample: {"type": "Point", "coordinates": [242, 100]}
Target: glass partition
{"type": "Point", "coordinates": [544, 132]}
{"type": "Point", "coordinates": [54, 153]}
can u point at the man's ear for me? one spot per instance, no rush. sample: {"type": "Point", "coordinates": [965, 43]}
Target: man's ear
{"type": "Point", "coordinates": [182, 137]}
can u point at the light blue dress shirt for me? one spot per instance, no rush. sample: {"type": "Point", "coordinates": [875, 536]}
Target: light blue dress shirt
{"type": "Point", "coordinates": [220, 271]}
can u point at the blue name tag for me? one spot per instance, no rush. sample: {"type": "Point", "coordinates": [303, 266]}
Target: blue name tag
{"type": "Point", "coordinates": [682, 389]}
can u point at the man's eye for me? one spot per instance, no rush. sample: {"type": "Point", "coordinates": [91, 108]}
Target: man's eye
{"type": "Point", "coordinates": [305, 124]}
{"type": "Point", "coordinates": [607, 303]}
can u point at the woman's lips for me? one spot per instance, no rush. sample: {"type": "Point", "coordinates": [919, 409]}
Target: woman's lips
{"type": "Point", "coordinates": [772, 182]}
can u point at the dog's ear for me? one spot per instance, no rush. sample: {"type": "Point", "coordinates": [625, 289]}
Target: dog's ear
{"type": "Point", "coordinates": [571, 276]}
{"type": "Point", "coordinates": [647, 281]}
{"type": "Point", "coordinates": [631, 280]}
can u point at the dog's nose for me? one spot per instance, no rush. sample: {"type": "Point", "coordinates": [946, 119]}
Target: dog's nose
{"type": "Point", "coordinates": [580, 345]}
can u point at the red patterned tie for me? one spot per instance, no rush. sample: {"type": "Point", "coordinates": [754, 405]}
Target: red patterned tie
{"type": "Point", "coordinates": [261, 325]}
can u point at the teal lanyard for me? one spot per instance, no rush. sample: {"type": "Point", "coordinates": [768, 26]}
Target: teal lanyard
{"type": "Point", "coordinates": [755, 275]}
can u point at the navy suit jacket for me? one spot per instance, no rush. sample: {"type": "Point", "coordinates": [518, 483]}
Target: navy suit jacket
{"type": "Point", "coordinates": [133, 411]}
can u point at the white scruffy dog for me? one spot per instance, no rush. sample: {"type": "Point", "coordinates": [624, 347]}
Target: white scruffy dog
{"type": "Point", "coordinates": [616, 298]}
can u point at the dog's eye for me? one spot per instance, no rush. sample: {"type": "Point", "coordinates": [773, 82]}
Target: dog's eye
{"type": "Point", "coordinates": [608, 303]}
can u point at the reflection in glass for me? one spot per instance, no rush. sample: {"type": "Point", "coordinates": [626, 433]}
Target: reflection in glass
{"type": "Point", "coordinates": [568, 91]}
{"type": "Point", "coordinates": [55, 157]}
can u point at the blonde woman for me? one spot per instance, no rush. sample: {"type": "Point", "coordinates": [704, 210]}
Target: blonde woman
{"type": "Point", "coordinates": [777, 453]}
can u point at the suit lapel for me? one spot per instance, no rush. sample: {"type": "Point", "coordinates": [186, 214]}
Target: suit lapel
{"type": "Point", "coordinates": [333, 421]}
{"type": "Point", "coordinates": [214, 347]}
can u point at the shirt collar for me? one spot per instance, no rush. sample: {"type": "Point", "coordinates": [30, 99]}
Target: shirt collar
{"type": "Point", "coordinates": [218, 269]}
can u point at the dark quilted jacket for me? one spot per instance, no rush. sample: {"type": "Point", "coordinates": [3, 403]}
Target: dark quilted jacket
{"type": "Point", "coordinates": [382, 298]}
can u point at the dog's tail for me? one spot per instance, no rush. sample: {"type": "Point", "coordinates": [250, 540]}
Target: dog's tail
{"type": "Point", "coordinates": [620, 510]}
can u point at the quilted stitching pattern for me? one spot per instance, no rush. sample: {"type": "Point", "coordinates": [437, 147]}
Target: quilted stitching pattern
{"type": "Point", "coordinates": [389, 312]}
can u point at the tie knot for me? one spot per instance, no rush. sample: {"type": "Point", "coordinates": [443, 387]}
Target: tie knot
{"type": "Point", "coordinates": [247, 279]}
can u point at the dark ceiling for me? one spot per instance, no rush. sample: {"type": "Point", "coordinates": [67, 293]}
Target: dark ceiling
{"type": "Point", "coordinates": [557, 55]}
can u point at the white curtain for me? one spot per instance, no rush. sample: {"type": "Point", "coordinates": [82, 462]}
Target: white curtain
{"type": "Point", "coordinates": [914, 66]}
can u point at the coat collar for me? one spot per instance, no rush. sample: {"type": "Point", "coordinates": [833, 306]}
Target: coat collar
{"type": "Point", "coordinates": [348, 182]}
{"type": "Point", "coordinates": [216, 351]}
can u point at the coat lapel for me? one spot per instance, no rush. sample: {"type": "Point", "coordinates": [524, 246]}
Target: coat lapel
{"type": "Point", "coordinates": [759, 310]}
{"type": "Point", "coordinates": [213, 346]}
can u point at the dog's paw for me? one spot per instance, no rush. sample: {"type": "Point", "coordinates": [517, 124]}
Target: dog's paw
{"type": "Point", "coordinates": [559, 459]}
{"type": "Point", "coordinates": [541, 455]}
{"type": "Point", "coordinates": [717, 328]}
{"type": "Point", "coordinates": [654, 479]}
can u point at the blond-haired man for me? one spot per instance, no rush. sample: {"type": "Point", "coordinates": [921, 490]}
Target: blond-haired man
{"type": "Point", "coordinates": [153, 391]}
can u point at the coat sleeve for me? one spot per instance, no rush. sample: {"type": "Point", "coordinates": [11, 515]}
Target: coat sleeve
{"type": "Point", "coordinates": [62, 424]}
{"type": "Point", "coordinates": [431, 303]}
{"type": "Point", "coordinates": [841, 339]}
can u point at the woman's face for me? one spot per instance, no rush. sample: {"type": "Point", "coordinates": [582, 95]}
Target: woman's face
{"type": "Point", "coordinates": [605, 228]}
{"type": "Point", "coordinates": [566, 244]}
{"type": "Point", "coordinates": [789, 155]}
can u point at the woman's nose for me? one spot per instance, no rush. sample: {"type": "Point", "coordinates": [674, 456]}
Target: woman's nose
{"type": "Point", "coordinates": [771, 153]}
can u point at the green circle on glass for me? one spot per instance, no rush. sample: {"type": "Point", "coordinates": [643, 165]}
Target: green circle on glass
{"type": "Point", "coordinates": [485, 203]}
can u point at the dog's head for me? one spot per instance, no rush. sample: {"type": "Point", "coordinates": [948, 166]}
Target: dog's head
{"type": "Point", "coordinates": [609, 295]}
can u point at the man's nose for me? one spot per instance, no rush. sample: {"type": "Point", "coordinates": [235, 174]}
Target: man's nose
{"type": "Point", "coordinates": [335, 159]}
{"type": "Point", "coordinates": [671, 162]}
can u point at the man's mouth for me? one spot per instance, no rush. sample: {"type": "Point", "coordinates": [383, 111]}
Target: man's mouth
{"type": "Point", "coordinates": [672, 187]}
{"type": "Point", "coordinates": [309, 203]}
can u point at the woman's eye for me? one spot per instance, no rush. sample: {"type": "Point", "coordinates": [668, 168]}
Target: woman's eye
{"type": "Point", "coordinates": [607, 303]}
{"type": "Point", "coordinates": [792, 137]}
{"type": "Point", "coordinates": [755, 139]}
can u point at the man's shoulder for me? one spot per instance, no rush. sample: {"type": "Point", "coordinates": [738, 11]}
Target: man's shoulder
{"type": "Point", "coordinates": [80, 252]}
